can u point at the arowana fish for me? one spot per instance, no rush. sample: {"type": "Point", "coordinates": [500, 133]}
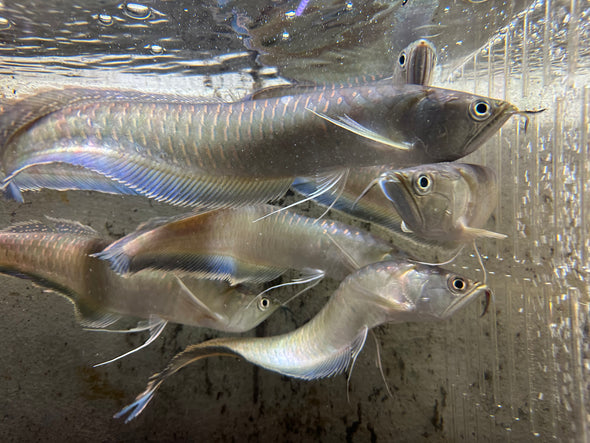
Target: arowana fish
{"type": "Point", "coordinates": [249, 244]}
{"type": "Point", "coordinates": [185, 151]}
{"type": "Point", "coordinates": [56, 255]}
{"type": "Point", "coordinates": [385, 292]}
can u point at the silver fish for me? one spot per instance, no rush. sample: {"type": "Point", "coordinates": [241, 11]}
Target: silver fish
{"type": "Point", "coordinates": [386, 292]}
{"type": "Point", "coordinates": [250, 244]}
{"type": "Point", "coordinates": [185, 151]}
{"type": "Point", "coordinates": [56, 254]}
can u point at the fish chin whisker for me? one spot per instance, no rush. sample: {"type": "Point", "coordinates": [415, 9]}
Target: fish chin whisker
{"type": "Point", "coordinates": [526, 114]}
{"type": "Point", "coordinates": [489, 297]}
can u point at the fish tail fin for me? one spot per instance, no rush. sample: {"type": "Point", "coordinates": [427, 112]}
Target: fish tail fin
{"type": "Point", "coordinates": [191, 354]}
{"type": "Point", "coordinates": [12, 192]}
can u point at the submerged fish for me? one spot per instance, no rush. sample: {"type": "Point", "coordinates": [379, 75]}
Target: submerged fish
{"type": "Point", "coordinates": [386, 292]}
{"type": "Point", "coordinates": [430, 211]}
{"type": "Point", "coordinates": [186, 152]}
{"type": "Point", "coordinates": [56, 255]}
{"type": "Point", "coordinates": [415, 63]}
{"type": "Point", "coordinates": [246, 244]}
{"type": "Point", "coordinates": [443, 201]}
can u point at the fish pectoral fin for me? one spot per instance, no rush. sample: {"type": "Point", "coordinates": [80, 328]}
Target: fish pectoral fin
{"type": "Point", "coordinates": [308, 276]}
{"type": "Point", "coordinates": [355, 349]}
{"type": "Point", "coordinates": [198, 302]}
{"type": "Point", "coordinates": [405, 228]}
{"type": "Point", "coordinates": [156, 326]}
{"type": "Point", "coordinates": [483, 233]}
{"type": "Point", "coordinates": [324, 183]}
{"type": "Point", "coordinates": [345, 122]}
{"type": "Point", "coordinates": [355, 265]}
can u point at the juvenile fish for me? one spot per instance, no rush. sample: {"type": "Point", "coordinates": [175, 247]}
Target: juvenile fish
{"type": "Point", "coordinates": [246, 245]}
{"type": "Point", "coordinates": [56, 255]}
{"type": "Point", "coordinates": [386, 292]}
{"type": "Point", "coordinates": [186, 152]}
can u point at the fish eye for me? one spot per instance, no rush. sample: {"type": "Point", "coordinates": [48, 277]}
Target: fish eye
{"type": "Point", "coordinates": [480, 110]}
{"type": "Point", "coordinates": [263, 304]}
{"type": "Point", "coordinates": [402, 59]}
{"type": "Point", "coordinates": [457, 284]}
{"type": "Point", "coordinates": [423, 184]}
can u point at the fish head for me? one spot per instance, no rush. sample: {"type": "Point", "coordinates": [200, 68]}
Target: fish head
{"type": "Point", "coordinates": [405, 291]}
{"type": "Point", "coordinates": [443, 293]}
{"type": "Point", "coordinates": [415, 63]}
{"type": "Point", "coordinates": [452, 124]}
{"type": "Point", "coordinates": [433, 293]}
{"type": "Point", "coordinates": [436, 201]}
{"type": "Point", "coordinates": [251, 310]}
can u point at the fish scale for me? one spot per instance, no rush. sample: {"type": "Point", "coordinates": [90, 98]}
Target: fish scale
{"type": "Point", "coordinates": [107, 132]}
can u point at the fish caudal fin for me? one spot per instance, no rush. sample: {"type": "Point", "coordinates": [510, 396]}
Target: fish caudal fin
{"type": "Point", "coordinates": [189, 355]}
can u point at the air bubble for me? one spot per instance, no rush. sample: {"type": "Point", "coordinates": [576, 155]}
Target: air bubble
{"type": "Point", "coordinates": [290, 14]}
{"type": "Point", "coordinates": [285, 35]}
{"type": "Point", "coordinates": [4, 24]}
{"type": "Point", "coordinates": [156, 49]}
{"type": "Point", "coordinates": [105, 19]}
{"type": "Point", "coordinates": [137, 11]}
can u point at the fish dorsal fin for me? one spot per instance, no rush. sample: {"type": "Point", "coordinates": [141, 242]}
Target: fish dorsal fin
{"type": "Point", "coordinates": [52, 225]}
{"type": "Point", "coordinates": [156, 222]}
{"type": "Point", "coordinates": [347, 123]}
{"type": "Point", "coordinates": [282, 90]}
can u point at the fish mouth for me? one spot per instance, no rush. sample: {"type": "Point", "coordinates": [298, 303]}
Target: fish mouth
{"type": "Point", "coordinates": [475, 292]}
{"type": "Point", "coordinates": [506, 110]}
{"type": "Point", "coordinates": [409, 204]}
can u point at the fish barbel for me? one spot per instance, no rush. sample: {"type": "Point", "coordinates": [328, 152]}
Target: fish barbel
{"type": "Point", "coordinates": [56, 255]}
{"type": "Point", "coordinates": [186, 152]}
{"type": "Point", "coordinates": [246, 245]}
{"type": "Point", "coordinates": [385, 292]}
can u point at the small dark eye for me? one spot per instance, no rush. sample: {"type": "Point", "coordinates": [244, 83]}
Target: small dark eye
{"type": "Point", "coordinates": [423, 183]}
{"type": "Point", "coordinates": [458, 284]}
{"type": "Point", "coordinates": [264, 304]}
{"type": "Point", "coordinates": [402, 59]}
{"type": "Point", "coordinates": [480, 110]}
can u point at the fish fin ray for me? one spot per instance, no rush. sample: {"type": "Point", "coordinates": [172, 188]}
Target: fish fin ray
{"type": "Point", "coordinates": [198, 302]}
{"type": "Point", "coordinates": [347, 123]}
{"type": "Point", "coordinates": [134, 174]}
{"type": "Point", "coordinates": [155, 330]}
{"type": "Point", "coordinates": [326, 182]}
{"type": "Point", "coordinates": [189, 355]}
{"type": "Point", "coordinates": [483, 233]}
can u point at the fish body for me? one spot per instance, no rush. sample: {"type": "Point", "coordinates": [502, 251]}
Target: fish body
{"type": "Point", "coordinates": [187, 152]}
{"type": "Point", "coordinates": [56, 255]}
{"type": "Point", "coordinates": [385, 292]}
{"type": "Point", "coordinates": [246, 244]}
